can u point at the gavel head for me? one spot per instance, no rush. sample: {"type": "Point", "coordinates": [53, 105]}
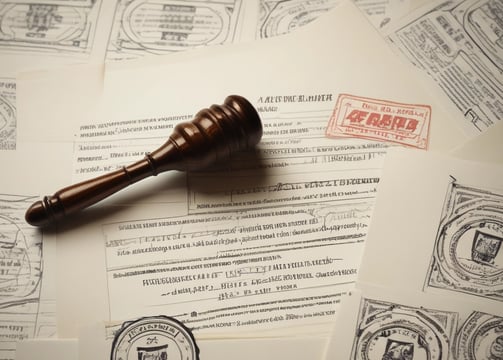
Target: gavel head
{"type": "Point", "coordinates": [212, 136]}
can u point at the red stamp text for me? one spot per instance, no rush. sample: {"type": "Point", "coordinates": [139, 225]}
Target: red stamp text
{"type": "Point", "coordinates": [374, 119]}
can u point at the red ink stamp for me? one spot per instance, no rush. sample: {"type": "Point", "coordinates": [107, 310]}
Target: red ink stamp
{"type": "Point", "coordinates": [365, 118]}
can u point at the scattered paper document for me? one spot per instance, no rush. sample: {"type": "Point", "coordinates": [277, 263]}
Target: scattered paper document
{"type": "Point", "coordinates": [457, 46]}
{"type": "Point", "coordinates": [430, 284]}
{"type": "Point", "coordinates": [486, 147]}
{"type": "Point", "coordinates": [318, 191]}
{"type": "Point", "coordinates": [27, 255]}
{"type": "Point", "coordinates": [447, 213]}
{"type": "Point", "coordinates": [48, 349]}
{"type": "Point", "coordinates": [382, 323]}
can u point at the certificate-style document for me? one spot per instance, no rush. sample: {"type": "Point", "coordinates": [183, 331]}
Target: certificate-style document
{"type": "Point", "coordinates": [153, 28]}
{"type": "Point", "coordinates": [447, 232]}
{"type": "Point", "coordinates": [382, 323]}
{"type": "Point", "coordinates": [27, 255]}
{"type": "Point", "coordinates": [430, 283]}
{"type": "Point", "coordinates": [457, 45]}
{"type": "Point", "coordinates": [36, 35]}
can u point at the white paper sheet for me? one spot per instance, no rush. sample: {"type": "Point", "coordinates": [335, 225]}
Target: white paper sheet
{"type": "Point", "coordinates": [76, 102]}
{"type": "Point", "coordinates": [281, 17]}
{"type": "Point", "coordinates": [383, 323]}
{"type": "Point", "coordinates": [36, 36]}
{"type": "Point", "coordinates": [455, 45]}
{"type": "Point", "coordinates": [440, 219]}
{"type": "Point", "coordinates": [430, 282]}
{"type": "Point", "coordinates": [27, 255]}
{"type": "Point", "coordinates": [48, 349]}
{"type": "Point", "coordinates": [486, 147]}
{"type": "Point", "coordinates": [152, 29]}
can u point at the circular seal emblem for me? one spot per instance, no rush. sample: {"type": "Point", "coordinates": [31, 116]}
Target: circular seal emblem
{"type": "Point", "coordinates": [481, 338]}
{"type": "Point", "coordinates": [468, 255]}
{"type": "Point", "coordinates": [401, 337]}
{"type": "Point", "coordinates": [390, 331]}
{"type": "Point", "coordinates": [154, 338]}
{"type": "Point", "coordinates": [470, 247]}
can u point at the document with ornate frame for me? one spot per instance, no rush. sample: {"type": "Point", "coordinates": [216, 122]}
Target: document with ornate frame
{"type": "Point", "coordinates": [447, 232]}
{"type": "Point", "coordinates": [385, 324]}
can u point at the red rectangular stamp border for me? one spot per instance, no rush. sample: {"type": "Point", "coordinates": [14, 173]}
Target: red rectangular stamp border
{"type": "Point", "coordinates": [339, 126]}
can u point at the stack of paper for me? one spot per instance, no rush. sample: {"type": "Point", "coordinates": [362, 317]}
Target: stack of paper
{"type": "Point", "coordinates": [430, 279]}
{"type": "Point", "coordinates": [277, 259]}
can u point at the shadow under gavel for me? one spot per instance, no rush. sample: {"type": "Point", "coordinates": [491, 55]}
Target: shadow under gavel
{"type": "Point", "coordinates": [212, 136]}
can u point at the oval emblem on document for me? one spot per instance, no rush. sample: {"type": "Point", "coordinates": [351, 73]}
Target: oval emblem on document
{"type": "Point", "coordinates": [480, 338]}
{"type": "Point", "coordinates": [154, 338]}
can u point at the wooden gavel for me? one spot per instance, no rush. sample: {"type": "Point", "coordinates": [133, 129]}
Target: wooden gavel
{"type": "Point", "coordinates": [212, 136]}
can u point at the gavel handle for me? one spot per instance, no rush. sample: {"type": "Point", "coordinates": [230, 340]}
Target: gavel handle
{"type": "Point", "coordinates": [213, 135]}
{"type": "Point", "coordinates": [74, 198]}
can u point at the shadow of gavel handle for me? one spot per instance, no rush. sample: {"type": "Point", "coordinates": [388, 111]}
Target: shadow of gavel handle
{"type": "Point", "coordinates": [212, 136]}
